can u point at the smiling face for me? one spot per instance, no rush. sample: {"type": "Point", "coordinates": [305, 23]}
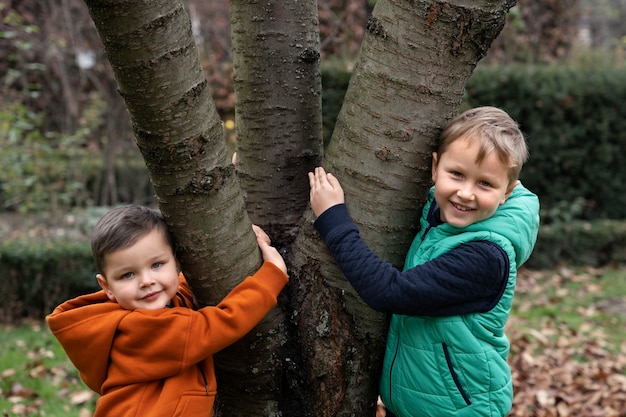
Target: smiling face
{"type": "Point", "coordinates": [468, 191]}
{"type": "Point", "coordinates": [144, 275]}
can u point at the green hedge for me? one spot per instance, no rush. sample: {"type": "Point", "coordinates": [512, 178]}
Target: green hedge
{"type": "Point", "coordinates": [334, 85]}
{"type": "Point", "coordinates": [579, 243]}
{"type": "Point", "coordinates": [44, 261]}
{"type": "Point", "coordinates": [38, 274]}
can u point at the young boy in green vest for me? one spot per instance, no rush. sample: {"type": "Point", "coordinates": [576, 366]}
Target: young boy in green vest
{"type": "Point", "coordinates": [446, 352]}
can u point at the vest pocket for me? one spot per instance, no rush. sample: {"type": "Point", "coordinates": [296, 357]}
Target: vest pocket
{"type": "Point", "coordinates": [459, 396]}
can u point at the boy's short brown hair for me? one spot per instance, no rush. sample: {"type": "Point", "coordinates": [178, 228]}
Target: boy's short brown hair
{"type": "Point", "coordinates": [122, 227]}
{"type": "Point", "coordinates": [495, 130]}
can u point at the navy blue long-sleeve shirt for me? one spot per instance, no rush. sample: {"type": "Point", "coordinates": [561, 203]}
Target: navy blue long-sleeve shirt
{"type": "Point", "coordinates": [468, 279]}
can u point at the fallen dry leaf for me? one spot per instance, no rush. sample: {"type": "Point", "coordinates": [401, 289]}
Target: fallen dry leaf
{"type": "Point", "coordinates": [7, 373]}
{"type": "Point", "coordinates": [84, 413]}
{"type": "Point", "coordinates": [81, 397]}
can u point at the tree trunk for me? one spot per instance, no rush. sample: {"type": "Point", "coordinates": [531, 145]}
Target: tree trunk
{"type": "Point", "coordinates": [278, 113]}
{"type": "Point", "coordinates": [279, 139]}
{"type": "Point", "coordinates": [415, 59]}
{"type": "Point", "coordinates": [320, 353]}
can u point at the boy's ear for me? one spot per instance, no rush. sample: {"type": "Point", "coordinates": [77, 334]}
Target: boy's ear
{"type": "Point", "coordinates": [509, 190]}
{"type": "Point", "coordinates": [433, 168]}
{"type": "Point", "coordinates": [105, 286]}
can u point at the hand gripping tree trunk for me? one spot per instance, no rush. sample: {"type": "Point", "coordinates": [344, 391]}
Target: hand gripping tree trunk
{"type": "Point", "coordinates": [319, 353]}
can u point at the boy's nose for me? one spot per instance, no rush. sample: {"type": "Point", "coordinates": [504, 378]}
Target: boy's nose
{"type": "Point", "coordinates": [146, 279]}
{"type": "Point", "coordinates": [466, 192]}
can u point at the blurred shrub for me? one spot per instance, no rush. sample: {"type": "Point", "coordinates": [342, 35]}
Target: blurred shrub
{"type": "Point", "coordinates": [39, 172]}
{"type": "Point", "coordinates": [594, 243]}
{"type": "Point", "coordinates": [38, 274]}
{"type": "Point", "coordinates": [45, 261]}
{"type": "Point", "coordinates": [53, 172]}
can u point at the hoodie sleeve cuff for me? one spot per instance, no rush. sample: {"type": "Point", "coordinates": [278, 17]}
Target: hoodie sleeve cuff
{"type": "Point", "coordinates": [274, 279]}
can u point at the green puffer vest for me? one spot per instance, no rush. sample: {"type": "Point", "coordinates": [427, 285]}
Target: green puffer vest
{"type": "Point", "coordinates": [457, 366]}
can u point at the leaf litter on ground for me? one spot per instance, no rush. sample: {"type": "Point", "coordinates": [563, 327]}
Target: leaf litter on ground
{"type": "Point", "coordinates": [567, 343]}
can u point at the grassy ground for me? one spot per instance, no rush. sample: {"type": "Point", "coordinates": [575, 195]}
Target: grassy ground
{"type": "Point", "coordinates": [584, 300]}
{"type": "Point", "coordinates": [568, 334]}
{"type": "Point", "coordinates": [36, 378]}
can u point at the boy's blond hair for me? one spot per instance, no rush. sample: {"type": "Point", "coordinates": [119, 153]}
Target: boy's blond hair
{"type": "Point", "coordinates": [121, 227]}
{"type": "Point", "coordinates": [495, 130]}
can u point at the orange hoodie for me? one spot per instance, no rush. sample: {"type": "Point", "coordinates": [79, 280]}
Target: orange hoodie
{"type": "Point", "coordinates": [158, 363]}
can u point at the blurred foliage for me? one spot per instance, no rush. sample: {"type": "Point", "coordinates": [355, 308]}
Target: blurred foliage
{"type": "Point", "coordinates": [40, 171]}
{"type": "Point", "coordinates": [85, 122]}
{"type": "Point", "coordinates": [537, 31]}
{"type": "Point", "coordinates": [571, 115]}
{"type": "Point", "coordinates": [55, 172]}
{"type": "Point", "coordinates": [38, 274]}
{"type": "Point", "coordinates": [335, 79]}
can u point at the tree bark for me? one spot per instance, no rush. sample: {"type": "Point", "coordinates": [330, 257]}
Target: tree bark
{"type": "Point", "coordinates": [279, 138]}
{"type": "Point", "coordinates": [278, 113]}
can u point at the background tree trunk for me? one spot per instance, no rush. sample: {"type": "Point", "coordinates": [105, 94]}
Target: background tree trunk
{"type": "Point", "coordinates": [320, 353]}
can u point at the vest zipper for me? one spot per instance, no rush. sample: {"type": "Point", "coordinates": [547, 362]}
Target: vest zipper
{"type": "Point", "coordinates": [393, 361]}
{"type": "Point", "coordinates": [455, 377]}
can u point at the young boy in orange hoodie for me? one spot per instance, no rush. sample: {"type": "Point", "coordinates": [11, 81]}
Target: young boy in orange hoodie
{"type": "Point", "coordinates": [137, 342]}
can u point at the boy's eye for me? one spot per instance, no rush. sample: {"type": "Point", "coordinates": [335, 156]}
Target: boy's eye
{"type": "Point", "coordinates": [156, 265]}
{"type": "Point", "coordinates": [126, 275]}
{"type": "Point", "coordinates": [485, 183]}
